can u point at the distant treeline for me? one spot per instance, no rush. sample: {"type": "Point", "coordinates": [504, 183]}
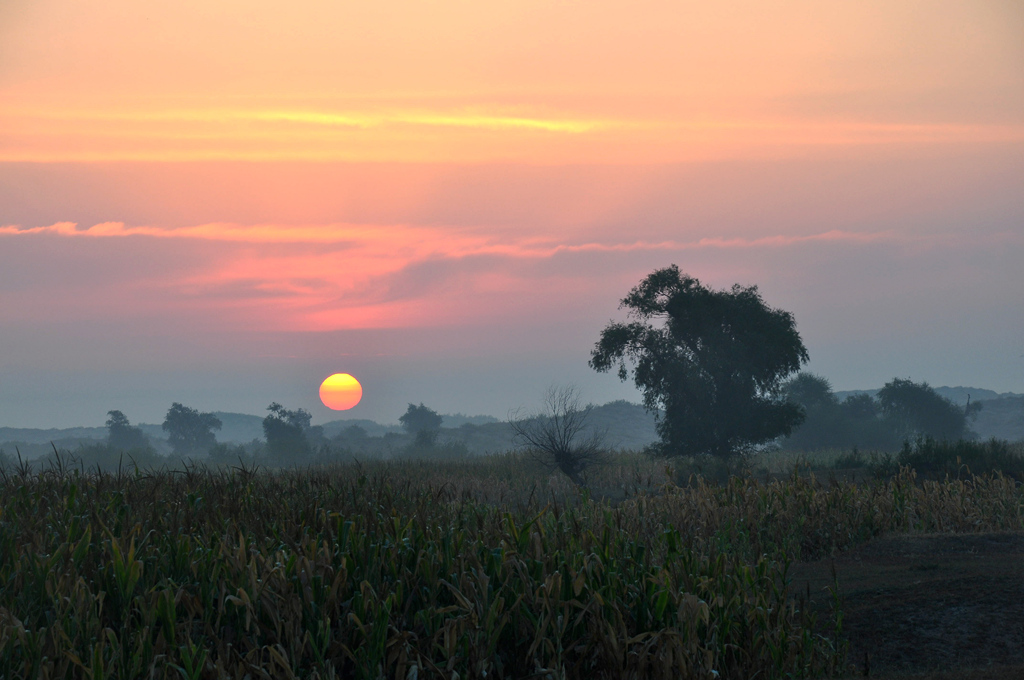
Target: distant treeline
{"type": "Point", "coordinates": [877, 420]}
{"type": "Point", "coordinates": [884, 420]}
{"type": "Point", "coordinates": [286, 438]}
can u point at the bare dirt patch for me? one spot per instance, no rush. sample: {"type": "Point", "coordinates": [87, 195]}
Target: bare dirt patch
{"type": "Point", "coordinates": [938, 606]}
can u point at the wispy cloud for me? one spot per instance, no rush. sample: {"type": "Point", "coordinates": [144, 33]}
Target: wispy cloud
{"type": "Point", "coordinates": [343, 119]}
{"type": "Point", "coordinates": [321, 277]}
{"type": "Point", "coordinates": [475, 134]}
{"type": "Point", "coordinates": [396, 234]}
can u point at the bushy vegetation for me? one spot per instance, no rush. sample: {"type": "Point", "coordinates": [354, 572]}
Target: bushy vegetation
{"type": "Point", "coordinates": [122, 436]}
{"type": "Point", "coordinates": [189, 431]}
{"type": "Point", "coordinates": [939, 459]}
{"type": "Point", "coordinates": [902, 411]}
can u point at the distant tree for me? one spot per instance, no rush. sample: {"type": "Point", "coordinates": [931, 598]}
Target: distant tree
{"type": "Point", "coordinates": [831, 424]}
{"type": "Point", "coordinates": [559, 436]}
{"type": "Point", "coordinates": [352, 438]}
{"type": "Point", "coordinates": [917, 410]}
{"type": "Point", "coordinates": [189, 431]}
{"type": "Point", "coordinates": [824, 424]}
{"type": "Point", "coordinates": [810, 391]}
{"type": "Point", "coordinates": [860, 407]}
{"type": "Point", "coordinates": [865, 426]}
{"type": "Point", "coordinates": [122, 436]}
{"type": "Point", "coordinates": [285, 432]}
{"type": "Point", "coordinates": [714, 365]}
{"type": "Point", "coordinates": [423, 422]}
{"type": "Point", "coordinates": [231, 455]}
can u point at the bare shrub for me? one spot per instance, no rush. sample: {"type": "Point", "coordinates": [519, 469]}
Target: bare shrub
{"type": "Point", "coordinates": [559, 437]}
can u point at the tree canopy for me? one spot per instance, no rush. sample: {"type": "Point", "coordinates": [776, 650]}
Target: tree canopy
{"type": "Point", "coordinates": [422, 421]}
{"type": "Point", "coordinates": [711, 361]}
{"type": "Point", "coordinates": [916, 409]}
{"type": "Point", "coordinates": [189, 431]}
{"type": "Point", "coordinates": [286, 431]}
{"type": "Point", "coordinates": [810, 391]}
{"type": "Point", "coordinates": [122, 435]}
{"type": "Point", "coordinates": [902, 411]}
{"type": "Point", "coordinates": [833, 424]}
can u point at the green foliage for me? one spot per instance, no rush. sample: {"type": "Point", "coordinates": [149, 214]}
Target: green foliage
{"type": "Point", "coordinates": [714, 367]}
{"type": "Point", "coordinates": [810, 391]}
{"type": "Point", "coordinates": [822, 426]}
{"type": "Point", "coordinates": [903, 411]}
{"type": "Point", "coordinates": [370, 571]}
{"type": "Point", "coordinates": [286, 434]}
{"type": "Point", "coordinates": [939, 459]}
{"type": "Point", "coordinates": [232, 454]}
{"type": "Point", "coordinates": [424, 424]}
{"type": "Point", "coordinates": [915, 409]}
{"type": "Point", "coordinates": [417, 419]}
{"type": "Point", "coordinates": [121, 436]}
{"type": "Point", "coordinates": [829, 423]}
{"type": "Point", "coordinates": [189, 431]}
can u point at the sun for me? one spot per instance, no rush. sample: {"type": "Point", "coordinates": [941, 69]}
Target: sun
{"type": "Point", "coordinates": [340, 392]}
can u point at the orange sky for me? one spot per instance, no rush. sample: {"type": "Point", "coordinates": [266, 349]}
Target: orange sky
{"type": "Point", "coordinates": [239, 170]}
{"type": "Point", "coordinates": [536, 82]}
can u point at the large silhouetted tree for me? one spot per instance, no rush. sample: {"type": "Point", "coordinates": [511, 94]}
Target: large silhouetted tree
{"type": "Point", "coordinates": [189, 431]}
{"type": "Point", "coordinates": [712, 362]}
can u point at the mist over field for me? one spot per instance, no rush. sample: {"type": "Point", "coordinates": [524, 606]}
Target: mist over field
{"type": "Point", "coordinates": [624, 426]}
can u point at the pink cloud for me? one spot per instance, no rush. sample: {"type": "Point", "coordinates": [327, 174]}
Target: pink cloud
{"type": "Point", "coordinates": [335, 276]}
{"type": "Point", "coordinates": [271, 277]}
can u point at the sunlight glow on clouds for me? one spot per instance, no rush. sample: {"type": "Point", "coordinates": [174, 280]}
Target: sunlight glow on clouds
{"type": "Point", "coordinates": [329, 277]}
{"type": "Point", "coordinates": [530, 82]}
{"type": "Point", "coordinates": [53, 135]}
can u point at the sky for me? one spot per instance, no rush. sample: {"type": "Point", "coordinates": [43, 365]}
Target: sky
{"type": "Point", "coordinates": [222, 203]}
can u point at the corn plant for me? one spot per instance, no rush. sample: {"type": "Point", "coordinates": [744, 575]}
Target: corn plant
{"type": "Point", "coordinates": [385, 571]}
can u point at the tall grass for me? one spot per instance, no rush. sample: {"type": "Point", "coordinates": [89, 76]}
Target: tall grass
{"type": "Point", "coordinates": [413, 570]}
{"type": "Point", "coordinates": [939, 458]}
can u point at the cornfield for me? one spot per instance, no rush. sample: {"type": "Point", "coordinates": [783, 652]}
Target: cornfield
{"type": "Point", "coordinates": [409, 571]}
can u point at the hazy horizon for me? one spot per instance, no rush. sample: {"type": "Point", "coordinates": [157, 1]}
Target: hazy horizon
{"type": "Point", "coordinates": [979, 394]}
{"type": "Point", "coordinates": [449, 202]}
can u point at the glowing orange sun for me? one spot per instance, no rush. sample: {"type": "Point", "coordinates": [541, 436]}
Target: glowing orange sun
{"type": "Point", "coordinates": [340, 392]}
